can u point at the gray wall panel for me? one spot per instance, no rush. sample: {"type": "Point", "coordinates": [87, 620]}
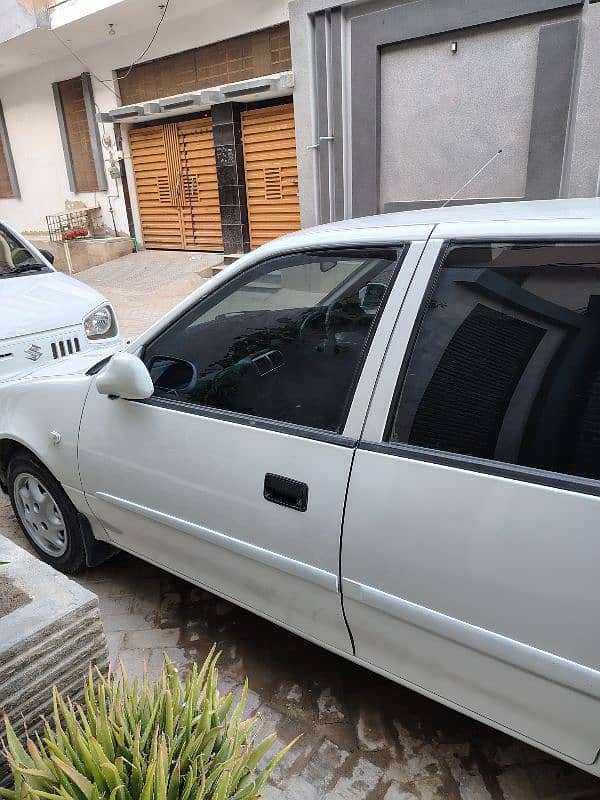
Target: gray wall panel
{"type": "Point", "coordinates": [322, 117]}
{"type": "Point", "coordinates": [584, 152]}
{"type": "Point", "coordinates": [443, 116]}
{"type": "Point", "coordinates": [337, 126]}
{"type": "Point", "coordinates": [550, 117]}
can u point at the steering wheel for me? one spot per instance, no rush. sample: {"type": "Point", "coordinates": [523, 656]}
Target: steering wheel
{"type": "Point", "coordinates": [312, 315]}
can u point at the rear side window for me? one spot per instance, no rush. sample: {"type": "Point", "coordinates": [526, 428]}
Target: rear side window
{"type": "Point", "coordinates": [506, 362]}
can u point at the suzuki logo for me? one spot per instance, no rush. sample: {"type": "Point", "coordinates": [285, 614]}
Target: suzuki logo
{"type": "Point", "coordinates": [33, 352]}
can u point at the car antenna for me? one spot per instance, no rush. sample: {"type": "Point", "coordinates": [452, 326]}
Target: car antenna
{"type": "Point", "coordinates": [479, 171]}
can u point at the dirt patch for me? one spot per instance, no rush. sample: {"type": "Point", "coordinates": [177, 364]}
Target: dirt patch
{"type": "Point", "coordinates": [11, 597]}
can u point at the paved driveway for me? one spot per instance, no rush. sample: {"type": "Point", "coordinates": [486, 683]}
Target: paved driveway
{"type": "Point", "coordinates": [363, 736]}
{"type": "Point", "coordinates": [144, 286]}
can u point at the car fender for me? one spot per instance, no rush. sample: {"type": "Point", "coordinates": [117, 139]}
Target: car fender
{"type": "Point", "coordinates": [43, 415]}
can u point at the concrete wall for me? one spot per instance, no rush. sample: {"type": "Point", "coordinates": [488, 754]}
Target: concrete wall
{"type": "Point", "coordinates": [582, 179]}
{"type": "Point", "coordinates": [443, 115]}
{"type": "Point", "coordinates": [400, 121]}
{"type": "Point", "coordinates": [31, 117]}
{"type": "Point", "coordinates": [86, 253]}
{"type": "Point", "coordinates": [20, 16]}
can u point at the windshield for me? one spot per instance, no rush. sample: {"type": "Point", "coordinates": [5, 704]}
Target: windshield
{"type": "Point", "coordinates": [15, 258]}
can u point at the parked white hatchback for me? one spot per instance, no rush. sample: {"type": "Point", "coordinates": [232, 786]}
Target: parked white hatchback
{"type": "Point", "coordinates": [382, 434]}
{"type": "Point", "coordinates": [45, 316]}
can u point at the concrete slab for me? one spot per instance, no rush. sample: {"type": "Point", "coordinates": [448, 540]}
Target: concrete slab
{"type": "Point", "coordinates": [49, 640]}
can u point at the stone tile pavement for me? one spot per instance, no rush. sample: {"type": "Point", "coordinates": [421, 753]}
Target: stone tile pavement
{"type": "Point", "coordinates": [363, 737]}
{"type": "Point", "coordinates": [143, 286]}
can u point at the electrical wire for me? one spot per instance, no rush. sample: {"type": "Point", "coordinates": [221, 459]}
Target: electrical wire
{"type": "Point", "coordinates": [150, 43]}
{"type": "Point", "coordinates": [75, 55]}
{"type": "Point", "coordinates": [103, 81]}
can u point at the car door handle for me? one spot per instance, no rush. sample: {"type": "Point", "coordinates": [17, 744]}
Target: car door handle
{"type": "Point", "coordinates": [286, 492]}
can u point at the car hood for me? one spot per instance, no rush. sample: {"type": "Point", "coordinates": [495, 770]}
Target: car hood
{"type": "Point", "coordinates": [74, 365]}
{"type": "Point", "coordinates": [39, 302]}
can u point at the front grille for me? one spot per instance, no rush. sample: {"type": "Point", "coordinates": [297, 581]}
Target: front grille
{"type": "Point", "coordinates": [65, 347]}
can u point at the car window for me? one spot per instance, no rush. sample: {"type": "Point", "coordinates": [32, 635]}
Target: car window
{"type": "Point", "coordinates": [283, 341]}
{"type": "Point", "coordinates": [506, 363]}
{"type": "Point", "coordinates": [14, 255]}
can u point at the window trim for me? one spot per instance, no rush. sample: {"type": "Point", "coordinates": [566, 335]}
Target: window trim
{"type": "Point", "coordinates": [96, 144]}
{"type": "Point", "coordinates": [483, 466]}
{"type": "Point", "coordinates": [251, 421]}
{"type": "Point", "coordinates": [8, 157]}
{"type": "Point", "coordinates": [486, 466]}
{"type": "Point", "coordinates": [334, 437]}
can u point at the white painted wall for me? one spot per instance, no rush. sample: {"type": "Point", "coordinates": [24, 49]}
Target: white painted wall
{"type": "Point", "coordinates": [30, 112]}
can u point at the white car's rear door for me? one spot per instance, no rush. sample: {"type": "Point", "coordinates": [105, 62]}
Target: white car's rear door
{"type": "Point", "coordinates": [471, 538]}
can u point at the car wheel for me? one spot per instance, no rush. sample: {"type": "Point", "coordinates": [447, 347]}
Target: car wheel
{"type": "Point", "coordinates": [48, 518]}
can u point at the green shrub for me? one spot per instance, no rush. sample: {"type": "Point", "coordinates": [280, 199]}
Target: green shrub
{"type": "Point", "coordinates": [128, 741]}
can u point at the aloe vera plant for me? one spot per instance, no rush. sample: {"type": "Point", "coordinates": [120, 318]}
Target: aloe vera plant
{"type": "Point", "coordinates": [177, 740]}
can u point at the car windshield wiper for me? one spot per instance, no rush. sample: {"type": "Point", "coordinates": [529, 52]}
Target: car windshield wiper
{"type": "Point", "coordinates": [27, 266]}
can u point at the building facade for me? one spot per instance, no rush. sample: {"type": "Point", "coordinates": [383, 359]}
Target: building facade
{"type": "Point", "coordinates": [405, 102]}
{"type": "Point", "coordinates": [239, 122]}
{"type": "Point", "coordinates": [191, 146]}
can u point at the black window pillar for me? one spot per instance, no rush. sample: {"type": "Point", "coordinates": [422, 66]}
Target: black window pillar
{"type": "Point", "coordinates": [227, 132]}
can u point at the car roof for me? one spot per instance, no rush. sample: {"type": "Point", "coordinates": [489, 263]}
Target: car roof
{"type": "Point", "coordinates": [522, 218]}
{"type": "Point", "coordinates": [518, 211]}
{"type": "Point", "coordinates": [533, 219]}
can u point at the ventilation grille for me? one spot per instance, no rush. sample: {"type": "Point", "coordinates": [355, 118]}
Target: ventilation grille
{"type": "Point", "coordinates": [164, 189]}
{"type": "Point", "coordinates": [273, 187]}
{"type": "Point", "coordinates": [65, 347]}
{"type": "Point", "coordinates": [189, 189]}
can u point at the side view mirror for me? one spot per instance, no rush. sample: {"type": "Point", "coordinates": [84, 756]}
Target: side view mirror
{"type": "Point", "coordinates": [125, 376]}
{"type": "Point", "coordinates": [48, 255]}
{"type": "Point", "coordinates": [172, 374]}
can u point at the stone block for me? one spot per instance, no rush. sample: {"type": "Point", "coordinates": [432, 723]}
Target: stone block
{"type": "Point", "coordinates": [51, 640]}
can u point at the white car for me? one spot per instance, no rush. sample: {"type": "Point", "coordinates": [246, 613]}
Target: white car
{"type": "Point", "coordinates": [409, 477]}
{"type": "Point", "coordinates": [45, 316]}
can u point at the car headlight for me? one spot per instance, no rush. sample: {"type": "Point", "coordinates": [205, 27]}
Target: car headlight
{"type": "Point", "coordinates": [100, 324]}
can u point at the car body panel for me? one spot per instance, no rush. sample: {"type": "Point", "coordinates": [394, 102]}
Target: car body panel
{"type": "Point", "coordinates": [28, 417]}
{"type": "Point", "coordinates": [200, 510]}
{"type": "Point", "coordinates": [467, 586]}
{"type": "Point", "coordinates": [42, 309]}
{"type": "Point", "coordinates": [51, 299]}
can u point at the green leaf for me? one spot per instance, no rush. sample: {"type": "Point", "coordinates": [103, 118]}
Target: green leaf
{"type": "Point", "coordinates": [80, 781]}
{"type": "Point", "coordinates": [15, 747]}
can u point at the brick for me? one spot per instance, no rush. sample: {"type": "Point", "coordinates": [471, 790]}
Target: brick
{"type": "Point", "coordinates": [394, 792]}
{"type": "Point", "coordinates": [329, 707]}
{"type": "Point", "coordinates": [370, 730]}
{"type": "Point", "coordinates": [365, 777]}
{"type": "Point", "coordinates": [514, 784]}
{"type": "Point", "coordinates": [126, 622]}
{"type": "Point", "coordinates": [321, 769]}
{"type": "Point", "coordinates": [468, 779]}
{"type": "Point", "coordinates": [151, 637]}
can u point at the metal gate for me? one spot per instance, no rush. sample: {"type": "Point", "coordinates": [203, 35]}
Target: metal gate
{"type": "Point", "coordinates": [176, 181]}
{"type": "Point", "coordinates": [271, 168]}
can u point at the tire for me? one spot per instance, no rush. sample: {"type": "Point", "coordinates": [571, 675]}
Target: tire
{"type": "Point", "coordinates": [47, 517]}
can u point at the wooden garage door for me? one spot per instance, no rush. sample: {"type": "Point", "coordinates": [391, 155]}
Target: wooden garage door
{"type": "Point", "coordinates": [271, 172]}
{"type": "Point", "coordinates": [176, 180]}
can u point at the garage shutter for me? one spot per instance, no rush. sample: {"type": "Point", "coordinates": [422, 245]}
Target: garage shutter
{"type": "Point", "coordinates": [271, 172]}
{"type": "Point", "coordinates": [176, 181]}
